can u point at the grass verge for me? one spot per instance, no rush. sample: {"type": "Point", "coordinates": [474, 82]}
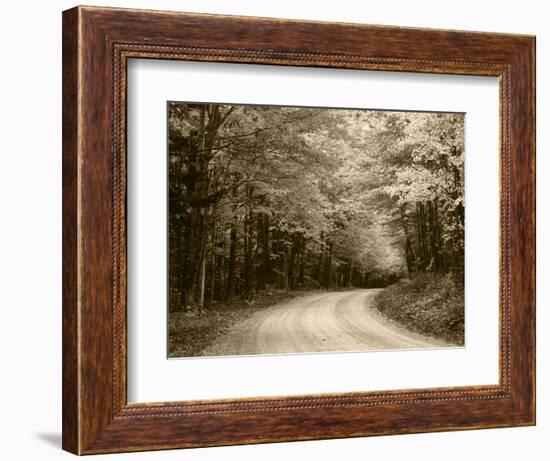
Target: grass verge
{"type": "Point", "coordinates": [429, 304]}
{"type": "Point", "coordinates": [191, 332]}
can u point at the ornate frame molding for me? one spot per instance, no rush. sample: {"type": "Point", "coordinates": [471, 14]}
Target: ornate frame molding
{"type": "Point", "coordinates": [97, 43]}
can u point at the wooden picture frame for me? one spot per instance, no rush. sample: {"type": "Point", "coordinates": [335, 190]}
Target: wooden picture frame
{"type": "Point", "coordinates": [97, 43]}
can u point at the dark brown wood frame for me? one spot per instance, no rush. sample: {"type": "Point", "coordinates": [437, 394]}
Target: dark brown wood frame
{"type": "Point", "coordinates": [97, 43]}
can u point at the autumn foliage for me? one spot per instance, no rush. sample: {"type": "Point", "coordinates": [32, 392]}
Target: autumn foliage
{"type": "Point", "coordinates": [299, 198]}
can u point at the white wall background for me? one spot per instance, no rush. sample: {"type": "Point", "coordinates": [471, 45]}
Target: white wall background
{"type": "Point", "coordinates": [30, 230]}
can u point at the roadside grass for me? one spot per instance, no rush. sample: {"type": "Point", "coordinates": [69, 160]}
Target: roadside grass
{"type": "Point", "coordinates": [191, 332]}
{"type": "Point", "coordinates": [429, 304]}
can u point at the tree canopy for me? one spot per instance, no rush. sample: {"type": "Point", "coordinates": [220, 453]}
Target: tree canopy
{"type": "Point", "coordinates": [284, 197]}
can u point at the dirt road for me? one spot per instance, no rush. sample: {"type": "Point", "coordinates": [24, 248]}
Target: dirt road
{"type": "Point", "coordinates": [323, 322]}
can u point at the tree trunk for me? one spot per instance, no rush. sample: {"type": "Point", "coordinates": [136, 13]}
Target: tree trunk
{"type": "Point", "coordinates": [410, 255]}
{"type": "Point", "coordinates": [321, 265]}
{"type": "Point", "coordinates": [230, 286]}
{"type": "Point", "coordinates": [302, 263]}
{"type": "Point", "coordinates": [292, 261]}
{"type": "Point", "coordinates": [213, 256]}
{"type": "Point", "coordinates": [263, 268]}
{"type": "Point", "coordinates": [435, 262]}
{"type": "Point", "coordinates": [328, 267]}
{"type": "Point", "coordinates": [202, 283]}
{"type": "Point", "coordinates": [283, 263]}
{"type": "Point", "coordinates": [248, 246]}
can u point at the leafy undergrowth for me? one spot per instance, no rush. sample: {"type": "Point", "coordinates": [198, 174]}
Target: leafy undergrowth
{"type": "Point", "coordinates": [191, 332]}
{"type": "Point", "coordinates": [429, 304]}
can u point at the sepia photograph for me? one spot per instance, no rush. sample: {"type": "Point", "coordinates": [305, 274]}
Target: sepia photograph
{"type": "Point", "coordinates": [277, 230]}
{"type": "Point", "coordinates": [308, 230]}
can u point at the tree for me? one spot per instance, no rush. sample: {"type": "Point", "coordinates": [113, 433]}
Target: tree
{"type": "Point", "coordinates": [289, 198]}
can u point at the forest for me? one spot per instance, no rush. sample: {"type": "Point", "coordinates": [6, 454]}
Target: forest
{"type": "Point", "coordinates": [291, 198]}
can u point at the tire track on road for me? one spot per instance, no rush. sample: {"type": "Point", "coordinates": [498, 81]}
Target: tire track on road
{"type": "Point", "coordinates": [325, 322]}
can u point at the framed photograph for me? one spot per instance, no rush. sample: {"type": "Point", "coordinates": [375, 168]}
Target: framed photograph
{"type": "Point", "coordinates": [282, 230]}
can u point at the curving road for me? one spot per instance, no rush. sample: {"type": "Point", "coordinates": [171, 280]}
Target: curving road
{"type": "Point", "coordinates": [324, 322]}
